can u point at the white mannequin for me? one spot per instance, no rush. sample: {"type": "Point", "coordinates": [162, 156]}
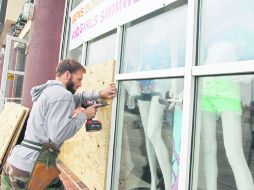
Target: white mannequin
{"type": "Point", "coordinates": [159, 50]}
{"type": "Point", "coordinates": [231, 125]}
{"type": "Point", "coordinates": [151, 113]}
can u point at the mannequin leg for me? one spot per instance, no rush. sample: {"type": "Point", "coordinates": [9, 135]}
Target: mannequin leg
{"type": "Point", "coordinates": [232, 133]}
{"type": "Point", "coordinates": [208, 140]}
{"type": "Point", "coordinates": [154, 126]}
{"type": "Point", "coordinates": [144, 111]}
{"type": "Point", "coordinates": [126, 161]}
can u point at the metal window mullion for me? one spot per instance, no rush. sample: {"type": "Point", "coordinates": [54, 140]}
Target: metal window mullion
{"type": "Point", "coordinates": [88, 46]}
{"type": "Point", "coordinates": [12, 98]}
{"type": "Point", "coordinates": [240, 67]}
{"type": "Point", "coordinates": [16, 39]}
{"type": "Point", "coordinates": [114, 114]}
{"type": "Point", "coordinates": [62, 50]}
{"type": "Point", "coordinates": [67, 30]}
{"type": "Point", "coordinates": [85, 57]}
{"type": "Point", "coordinates": [16, 72]}
{"type": "Point", "coordinates": [84, 54]}
{"type": "Point", "coordinates": [188, 103]}
{"type": "Point", "coordinates": [165, 73]}
{"type": "Point", "coordinates": [5, 71]}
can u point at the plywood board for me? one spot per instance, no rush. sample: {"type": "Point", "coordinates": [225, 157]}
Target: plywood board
{"type": "Point", "coordinates": [86, 153]}
{"type": "Point", "coordinates": [10, 119]}
{"type": "Point", "coordinates": [15, 137]}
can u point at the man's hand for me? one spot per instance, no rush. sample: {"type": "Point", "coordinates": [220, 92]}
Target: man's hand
{"type": "Point", "coordinates": [90, 112]}
{"type": "Point", "coordinates": [109, 92]}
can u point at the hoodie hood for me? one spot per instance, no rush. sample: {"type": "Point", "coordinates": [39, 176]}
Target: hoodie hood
{"type": "Point", "coordinates": [37, 90]}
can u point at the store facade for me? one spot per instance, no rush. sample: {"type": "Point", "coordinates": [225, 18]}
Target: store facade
{"type": "Point", "coordinates": [184, 115]}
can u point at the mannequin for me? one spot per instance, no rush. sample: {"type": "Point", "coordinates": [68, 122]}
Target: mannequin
{"type": "Point", "coordinates": [160, 47]}
{"type": "Point", "coordinates": [151, 113]}
{"type": "Point", "coordinates": [221, 96]}
{"type": "Point", "coordinates": [151, 108]}
{"type": "Point", "coordinates": [148, 94]}
{"type": "Point", "coordinates": [155, 55]}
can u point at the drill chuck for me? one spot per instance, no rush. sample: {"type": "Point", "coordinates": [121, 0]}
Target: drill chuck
{"type": "Point", "coordinates": [92, 102]}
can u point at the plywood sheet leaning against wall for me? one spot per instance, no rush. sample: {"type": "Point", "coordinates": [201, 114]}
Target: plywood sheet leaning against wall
{"type": "Point", "coordinates": [11, 122]}
{"type": "Point", "coordinates": [86, 153]}
{"type": "Point", "coordinates": [15, 137]}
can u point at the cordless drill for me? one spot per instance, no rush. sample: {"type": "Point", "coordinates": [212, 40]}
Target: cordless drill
{"type": "Point", "coordinates": [92, 124]}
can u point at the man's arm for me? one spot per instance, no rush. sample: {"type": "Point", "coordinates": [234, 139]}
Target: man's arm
{"type": "Point", "coordinates": [108, 92]}
{"type": "Point", "coordinates": [60, 123]}
{"type": "Point", "coordinates": [83, 96]}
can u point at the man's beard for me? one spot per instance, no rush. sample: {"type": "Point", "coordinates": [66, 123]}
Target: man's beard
{"type": "Point", "coordinates": [70, 86]}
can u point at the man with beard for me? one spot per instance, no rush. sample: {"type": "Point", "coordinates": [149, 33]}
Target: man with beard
{"type": "Point", "coordinates": [51, 122]}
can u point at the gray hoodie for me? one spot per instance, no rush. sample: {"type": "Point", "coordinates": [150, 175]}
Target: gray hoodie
{"type": "Point", "coordinates": [51, 120]}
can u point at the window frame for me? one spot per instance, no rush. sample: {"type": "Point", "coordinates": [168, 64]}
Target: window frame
{"type": "Point", "coordinates": [189, 85]}
{"type": "Point", "coordinates": [103, 36]}
{"type": "Point", "coordinates": [190, 72]}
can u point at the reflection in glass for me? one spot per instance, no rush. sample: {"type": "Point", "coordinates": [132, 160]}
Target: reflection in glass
{"type": "Point", "coordinates": [157, 43]}
{"type": "Point", "coordinates": [102, 50]}
{"type": "Point", "coordinates": [224, 123]}
{"type": "Point", "coordinates": [17, 58]}
{"type": "Point", "coordinates": [75, 3]}
{"type": "Point", "coordinates": [150, 115]}
{"type": "Point", "coordinates": [227, 21]}
{"type": "Point", "coordinates": [76, 54]}
{"type": "Point", "coordinates": [14, 88]}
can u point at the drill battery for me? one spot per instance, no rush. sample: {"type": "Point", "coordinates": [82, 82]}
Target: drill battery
{"type": "Point", "coordinates": [93, 124]}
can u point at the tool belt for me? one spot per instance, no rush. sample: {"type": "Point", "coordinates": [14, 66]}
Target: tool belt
{"type": "Point", "coordinates": [45, 169]}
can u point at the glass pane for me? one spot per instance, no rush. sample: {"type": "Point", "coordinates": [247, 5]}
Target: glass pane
{"type": "Point", "coordinates": [102, 50]}
{"type": "Point", "coordinates": [157, 43]}
{"type": "Point", "coordinates": [227, 31]}
{"type": "Point", "coordinates": [17, 57]}
{"type": "Point", "coordinates": [14, 87]}
{"type": "Point", "coordinates": [224, 151]}
{"type": "Point", "coordinates": [75, 3]}
{"type": "Point", "coordinates": [149, 128]}
{"type": "Point", "coordinates": [76, 54]}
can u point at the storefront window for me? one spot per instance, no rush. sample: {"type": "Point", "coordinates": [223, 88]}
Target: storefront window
{"type": "Point", "coordinates": [102, 49]}
{"type": "Point", "coordinates": [65, 51]}
{"type": "Point", "coordinates": [157, 43]}
{"type": "Point", "coordinates": [224, 151]}
{"type": "Point", "coordinates": [223, 24]}
{"type": "Point", "coordinates": [149, 124]}
{"type": "Point", "coordinates": [76, 54]}
{"type": "Point", "coordinates": [75, 3]}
